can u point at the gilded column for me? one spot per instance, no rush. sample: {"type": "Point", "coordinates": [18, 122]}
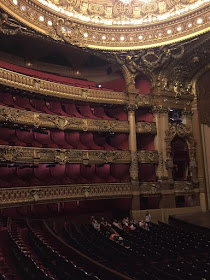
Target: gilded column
{"type": "Point", "coordinates": [160, 114]}
{"type": "Point", "coordinates": [134, 173]}
{"type": "Point", "coordinates": [196, 130]}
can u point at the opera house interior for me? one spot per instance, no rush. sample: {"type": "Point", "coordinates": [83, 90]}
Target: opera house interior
{"type": "Point", "coordinates": [105, 139]}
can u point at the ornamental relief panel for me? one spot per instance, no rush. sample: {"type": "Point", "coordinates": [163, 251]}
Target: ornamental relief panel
{"type": "Point", "coordinates": [109, 25]}
{"type": "Point", "coordinates": [31, 195]}
{"type": "Point", "coordinates": [118, 10]}
{"type": "Point", "coordinates": [29, 118]}
{"type": "Point", "coordinates": [27, 83]}
{"type": "Point", "coordinates": [64, 156]}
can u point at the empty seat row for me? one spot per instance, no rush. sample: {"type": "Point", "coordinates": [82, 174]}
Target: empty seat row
{"type": "Point", "coordinates": [62, 108]}
{"type": "Point", "coordinates": [63, 139]}
{"type": "Point", "coordinates": [42, 174]}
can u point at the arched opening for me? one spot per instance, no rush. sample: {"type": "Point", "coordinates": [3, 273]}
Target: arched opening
{"type": "Point", "coordinates": [180, 155]}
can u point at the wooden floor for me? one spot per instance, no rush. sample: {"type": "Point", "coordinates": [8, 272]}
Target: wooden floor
{"type": "Point", "coordinates": [198, 219]}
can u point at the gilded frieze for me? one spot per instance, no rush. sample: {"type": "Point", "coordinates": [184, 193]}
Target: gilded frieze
{"type": "Point", "coordinates": [114, 25]}
{"type": "Point", "coordinates": [42, 194]}
{"type": "Point", "coordinates": [27, 83]}
{"type": "Point", "coordinates": [63, 156]}
{"type": "Point", "coordinates": [29, 118]}
{"type": "Point", "coordinates": [146, 127]}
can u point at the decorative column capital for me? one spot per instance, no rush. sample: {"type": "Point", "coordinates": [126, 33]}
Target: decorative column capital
{"type": "Point", "coordinates": [187, 113]}
{"type": "Point", "coordinates": [160, 110]}
{"type": "Point", "coordinates": [131, 108]}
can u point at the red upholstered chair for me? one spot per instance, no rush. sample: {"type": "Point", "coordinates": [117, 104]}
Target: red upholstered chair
{"type": "Point", "coordinates": [100, 113]}
{"type": "Point", "coordinates": [26, 174]}
{"type": "Point", "coordinates": [71, 110]}
{"type": "Point", "coordinates": [58, 137]}
{"type": "Point", "coordinates": [119, 141]}
{"type": "Point", "coordinates": [73, 172]}
{"type": "Point", "coordinates": [145, 142]}
{"type": "Point", "coordinates": [9, 137]}
{"type": "Point", "coordinates": [120, 171]}
{"type": "Point", "coordinates": [42, 173]}
{"type": "Point", "coordinates": [144, 115]}
{"type": "Point", "coordinates": [24, 103]}
{"type": "Point", "coordinates": [88, 171]}
{"type": "Point", "coordinates": [104, 173]}
{"type": "Point", "coordinates": [147, 172]}
{"type": "Point", "coordinates": [100, 140]}
{"type": "Point", "coordinates": [59, 174]}
{"type": "Point", "coordinates": [8, 173]}
{"type": "Point", "coordinates": [45, 139]}
{"type": "Point", "coordinates": [27, 137]}
{"type": "Point", "coordinates": [88, 140]}
{"type": "Point", "coordinates": [56, 108]}
{"type": "Point", "coordinates": [40, 106]}
{"type": "Point", "coordinates": [6, 98]}
{"type": "Point", "coordinates": [86, 111]}
{"type": "Point", "coordinates": [117, 113]}
{"type": "Point", "coordinates": [73, 138]}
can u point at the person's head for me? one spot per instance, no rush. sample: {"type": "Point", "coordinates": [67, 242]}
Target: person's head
{"type": "Point", "coordinates": [147, 212]}
{"type": "Point", "coordinates": [102, 219]}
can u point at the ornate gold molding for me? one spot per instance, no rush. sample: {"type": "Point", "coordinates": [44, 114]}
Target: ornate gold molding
{"type": "Point", "coordinates": [118, 36]}
{"type": "Point", "coordinates": [10, 197]}
{"type": "Point", "coordinates": [30, 84]}
{"type": "Point", "coordinates": [148, 156]}
{"type": "Point", "coordinates": [64, 156]}
{"type": "Point", "coordinates": [46, 194]}
{"type": "Point", "coordinates": [183, 131]}
{"type": "Point", "coordinates": [29, 118]}
{"type": "Point", "coordinates": [146, 127]}
{"type": "Point", "coordinates": [150, 188]}
{"type": "Point", "coordinates": [184, 186]}
{"type": "Point", "coordinates": [27, 83]}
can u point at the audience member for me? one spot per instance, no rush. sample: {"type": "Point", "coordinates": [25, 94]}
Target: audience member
{"type": "Point", "coordinates": [96, 225]}
{"type": "Point", "coordinates": [147, 218]}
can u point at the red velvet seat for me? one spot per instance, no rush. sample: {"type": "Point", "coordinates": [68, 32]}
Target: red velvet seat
{"type": "Point", "coordinates": [56, 108]}
{"type": "Point", "coordinates": [73, 138]}
{"type": "Point", "coordinates": [117, 113]}
{"type": "Point", "coordinates": [147, 172]}
{"type": "Point", "coordinates": [45, 140]}
{"type": "Point", "coordinates": [103, 172]}
{"type": "Point", "coordinates": [120, 171]}
{"type": "Point", "coordinates": [71, 110]}
{"type": "Point", "coordinates": [86, 111]}
{"type": "Point", "coordinates": [9, 136]}
{"type": "Point", "coordinates": [100, 113]}
{"type": "Point", "coordinates": [58, 137]}
{"type": "Point", "coordinates": [25, 174]}
{"type": "Point", "coordinates": [42, 172]}
{"type": "Point", "coordinates": [24, 103]}
{"type": "Point", "coordinates": [40, 106]}
{"type": "Point", "coordinates": [88, 172]}
{"type": "Point", "coordinates": [6, 98]}
{"type": "Point", "coordinates": [120, 141]}
{"type": "Point", "coordinates": [100, 140]}
{"type": "Point", "coordinates": [8, 173]}
{"type": "Point", "coordinates": [27, 137]}
{"type": "Point", "coordinates": [88, 140]}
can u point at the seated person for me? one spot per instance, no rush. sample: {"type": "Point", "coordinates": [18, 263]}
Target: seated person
{"type": "Point", "coordinates": [96, 225]}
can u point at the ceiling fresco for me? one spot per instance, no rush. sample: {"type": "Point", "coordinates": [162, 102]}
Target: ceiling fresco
{"type": "Point", "coordinates": [113, 24]}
